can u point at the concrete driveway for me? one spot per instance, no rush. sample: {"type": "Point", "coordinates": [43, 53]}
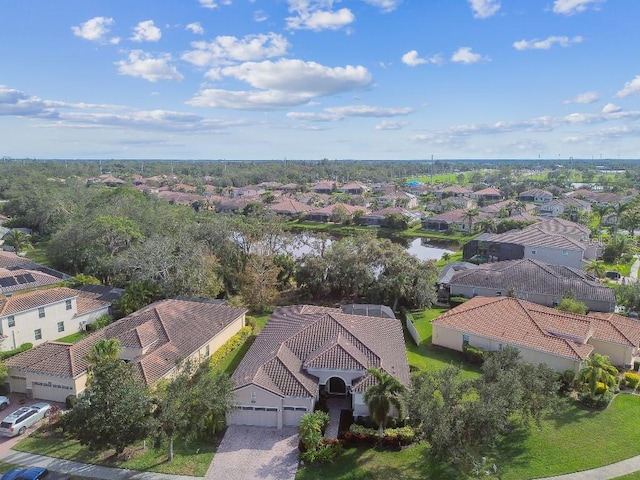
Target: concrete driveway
{"type": "Point", "coordinates": [256, 453]}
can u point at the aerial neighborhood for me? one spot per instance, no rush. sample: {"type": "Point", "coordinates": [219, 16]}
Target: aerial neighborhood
{"type": "Point", "coordinates": [167, 307]}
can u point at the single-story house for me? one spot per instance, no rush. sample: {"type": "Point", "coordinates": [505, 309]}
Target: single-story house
{"type": "Point", "coordinates": [399, 199]}
{"type": "Point", "coordinates": [353, 188]}
{"type": "Point", "coordinates": [453, 219]}
{"type": "Point", "coordinates": [488, 194]}
{"type": "Point", "coordinates": [306, 351]}
{"type": "Point", "coordinates": [324, 186]}
{"type": "Point", "coordinates": [42, 315]}
{"type": "Point", "coordinates": [536, 195]}
{"type": "Point", "coordinates": [452, 191]}
{"type": "Point", "coordinates": [534, 281]}
{"type": "Point", "coordinates": [563, 341]}
{"type": "Point", "coordinates": [290, 207]}
{"type": "Point", "coordinates": [379, 217]}
{"type": "Point", "coordinates": [153, 339]}
{"type": "Point", "coordinates": [326, 214]}
{"type": "Point", "coordinates": [553, 241]}
{"type": "Point", "coordinates": [562, 206]}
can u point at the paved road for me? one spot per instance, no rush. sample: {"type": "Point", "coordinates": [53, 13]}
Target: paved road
{"type": "Point", "coordinates": [255, 453]}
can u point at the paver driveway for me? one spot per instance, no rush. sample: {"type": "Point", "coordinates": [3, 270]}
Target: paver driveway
{"type": "Point", "coordinates": [255, 453]}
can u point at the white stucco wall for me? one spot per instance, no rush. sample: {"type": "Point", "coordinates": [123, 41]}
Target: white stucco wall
{"type": "Point", "coordinates": [573, 258]}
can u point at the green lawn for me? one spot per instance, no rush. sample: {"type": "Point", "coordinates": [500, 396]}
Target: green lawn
{"type": "Point", "coordinates": [191, 459]}
{"type": "Point", "coordinates": [427, 356]}
{"type": "Point", "coordinates": [577, 439]}
{"type": "Point", "coordinates": [631, 476]}
{"type": "Point", "coordinates": [454, 257]}
{"type": "Point", "coordinates": [39, 254]}
{"type": "Point", "coordinates": [73, 338]}
{"type": "Point", "coordinates": [229, 363]}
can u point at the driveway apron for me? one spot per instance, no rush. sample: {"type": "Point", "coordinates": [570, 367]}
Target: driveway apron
{"type": "Point", "coordinates": [255, 453]}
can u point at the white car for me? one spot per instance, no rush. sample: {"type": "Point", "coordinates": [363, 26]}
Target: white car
{"type": "Point", "coordinates": [16, 423]}
{"type": "Point", "coordinates": [4, 402]}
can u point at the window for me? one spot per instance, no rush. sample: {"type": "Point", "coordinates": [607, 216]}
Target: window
{"type": "Point", "coordinates": [498, 294]}
{"type": "Point", "coordinates": [41, 312]}
{"type": "Point", "coordinates": [565, 253]}
{"type": "Point", "coordinates": [38, 334]}
{"type": "Point", "coordinates": [11, 320]}
{"type": "Point", "coordinates": [207, 351]}
{"type": "Point", "coordinates": [253, 397]}
{"type": "Point", "coordinates": [68, 304]}
{"type": "Point", "coordinates": [533, 252]}
{"type": "Point", "coordinates": [500, 346]}
{"type": "Point", "coordinates": [465, 339]}
{"type": "Point", "coordinates": [61, 326]}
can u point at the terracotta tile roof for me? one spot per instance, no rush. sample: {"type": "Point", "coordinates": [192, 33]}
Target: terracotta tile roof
{"type": "Point", "coordinates": [533, 276]}
{"type": "Point", "coordinates": [535, 236]}
{"type": "Point", "coordinates": [536, 192]}
{"type": "Point", "coordinates": [615, 328]}
{"type": "Point", "coordinates": [455, 189]}
{"type": "Point", "coordinates": [303, 336]}
{"type": "Point", "coordinates": [173, 329]}
{"type": "Point", "coordinates": [24, 278]}
{"type": "Point", "coordinates": [289, 206]}
{"type": "Point", "coordinates": [328, 210]}
{"type": "Point", "coordinates": [525, 324]}
{"type": "Point", "coordinates": [488, 191]}
{"type": "Point", "coordinates": [32, 300]}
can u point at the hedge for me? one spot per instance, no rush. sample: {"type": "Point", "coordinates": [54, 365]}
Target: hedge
{"type": "Point", "coordinates": [474, 355]}
{"type": "Point", "coordinates": [234, 342]}
{"type": "Point", "coordinates": [359, 435]}
{"type": "Point", "coordinates": [10, 353]}
{"type": "Point", "coordinates": [631, 379]}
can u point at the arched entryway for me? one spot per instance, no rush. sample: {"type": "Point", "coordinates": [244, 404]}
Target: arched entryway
{"type": "Point", "coordinates": [336, 386]}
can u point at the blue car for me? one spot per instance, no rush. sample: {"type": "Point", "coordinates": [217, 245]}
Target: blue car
{"type": "Point", "coordinates": [29, 473]}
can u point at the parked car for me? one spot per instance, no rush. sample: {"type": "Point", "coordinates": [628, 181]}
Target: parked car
{"type": "Point", "coordinates": [29, 473]}
{"type": "Point", "coordinates": [16, 423]}
{"type": "Point", "coordinates": [613, 275]}
{"type": "Point", "coordinates": [4, 402]}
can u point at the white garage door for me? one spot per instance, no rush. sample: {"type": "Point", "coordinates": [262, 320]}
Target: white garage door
{"type": "Point", "coordinates": [292, 416]}
{"type": "Point", "coordinates": [257, 416]}
{"type": "Point", "coordinates": [47, 391]}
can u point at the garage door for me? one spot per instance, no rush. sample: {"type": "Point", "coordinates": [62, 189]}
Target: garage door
{"type": "Point", "coordinates": [292, 416]}
{"type": "Point", "coordinates": [51, 392]}
{"type": "Point", "coordinates": [257, 416]}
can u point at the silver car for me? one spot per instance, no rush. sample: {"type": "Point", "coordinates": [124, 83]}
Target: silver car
{"type": "Point", "coordinates": [16, 423]}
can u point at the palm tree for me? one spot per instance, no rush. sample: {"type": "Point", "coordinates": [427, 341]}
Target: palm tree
{"type": "Point", "coordinates": [598, 369]}
{"type": "Point", "coordinates": [469, 215]}
{"type": "Point", "coordinates": [382, 396]}
{"type": "Point", "coordinates": [18, 240]}
{"type": "Point", "coordinates": [104, 349]}
{"type": "Point", "coordinates": [596, 268]}
{"type": "Point", "coordinates": [619, 208]}
{"type": "Point", "coordinates": [631, 220]}
{"type": "Point", "coordinates": [486, 226]}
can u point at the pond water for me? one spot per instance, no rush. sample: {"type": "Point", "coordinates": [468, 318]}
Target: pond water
{"type": "Point", "coordinates": [423, 248]}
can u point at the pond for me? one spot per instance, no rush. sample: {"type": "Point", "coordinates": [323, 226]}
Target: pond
{"type": "Point", "coordinates": [423, 248]}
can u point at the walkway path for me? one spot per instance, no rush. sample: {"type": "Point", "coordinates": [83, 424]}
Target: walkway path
{"type": "Point", "coordinates": [83, 469]}
{"type": "Point", "coordinates": [614, 470]}
{"type": "Point", "coordinates": [633, 275]}
{"type": "Point", "coordinates": [336, 405]}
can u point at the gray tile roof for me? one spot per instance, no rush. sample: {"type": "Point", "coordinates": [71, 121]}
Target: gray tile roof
{"type": "Point", "coordinates": [533, 276]}
{"type": "Point", "coordinates": [302, 336]}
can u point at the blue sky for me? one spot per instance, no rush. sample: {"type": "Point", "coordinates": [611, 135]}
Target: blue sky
{"type": "Point", "coordinates": [312, 79]}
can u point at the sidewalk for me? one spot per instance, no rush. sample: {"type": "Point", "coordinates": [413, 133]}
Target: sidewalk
{"type": "Point", "coordinates": [83, 469]}
{"type": "Point", "coordinates": [615, 470]}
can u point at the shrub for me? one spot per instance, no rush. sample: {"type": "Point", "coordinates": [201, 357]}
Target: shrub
{"type": "Point", "coordinates": [327, 452]}
{"type": "Point", "coordinates": [234, 342]}
{"type": "Point", "coordinates": [455, 301]}
{"type": "Point", "coordinates": [10, 353]}
{"type": "Point", "coordinates": [631, 379]}
{"type": "Point", "coordinates": [311, 428]}
{"type": "Point", "coordinates": [100, 322]}
{"type": "Point", "coordinates": [474, 355]}
{"type": "Point", "coordinates": [251, 322]}
{"type": "Point", "coordinates": [70, 401]}
{"type": "Point", "coordinates": [567, 380]}
{"type": "Point", "coordinates": [601, 388]}
{"type": "Point", "coordinates": [360, 435]}
{"type": "Point", "coordinates": [596, 401]}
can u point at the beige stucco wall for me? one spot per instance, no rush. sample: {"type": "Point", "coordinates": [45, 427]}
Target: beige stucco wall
{"type": "Point", "coordinates": [619, 354]}
{"type": "Point", "coordinates": [449, 338]}
{"type": "Point", "coordinates": [574, 258]}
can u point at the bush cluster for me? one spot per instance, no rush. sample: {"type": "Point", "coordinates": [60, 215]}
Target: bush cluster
{"type": "Point", "coordinates": [474, 356]}
{"type": "Point", "coordinates": [631, 379]}
{"type": "Point", "coordinates": [455, 301]}
{"type": "Point", "coordinates": [360, 435]}
{"type": "Point", "coordinates": [596, 401]}
{"type": "Point", "coordinates": [234, 342]}
{"type": "Point", "coordinates": [10, 353]}
{"type": "Point", "coordinates": [327, 452]}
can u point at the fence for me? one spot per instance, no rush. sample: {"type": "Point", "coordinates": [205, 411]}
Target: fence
{"type": "Point", "coordinates": [412, 329]}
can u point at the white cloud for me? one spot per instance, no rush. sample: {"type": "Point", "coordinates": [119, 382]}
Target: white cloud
{"type": "Point", "coordinates": [384, 5]}
{"type": "Point", "coordinates": [547, 43]}
{"type": "Point", "coordinates": [211, 4]}
{"type": "Point", "coordinates": [144, 65]}
{"type": "Point", "coordinates": [284, 83]}
{"type": "Point", "coordinates": [571, 7]}
{"type": "Point", "coordinates": [390, 125]}
{"type": "Point", "coordinates": [630, 88]}
{"type": "Point", "coordinates": [413, 60]}
{"type": "Point", "coordinates": [466, 55]}
{"type": "Point", "coordinates": [318, 20]}
{"type": "Point", "coordinates": [484, 8]}
{"type": "Point", "coordinates": [333, 114]}
{"type": "Point", "coordinates": [611, 108]}
{"type": "Point", "coordinates": [260, 16]}
{"type": "Point", "coordinates": [96, 30]}
{"type": "Point", "coordinates": [587, 97]}
{"type": "Point", "coordinates": [195, 28]}
{"type": "Point", "coordinates": [146, 32]}
{"type": "Point", "coordinates": [226, 49]}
